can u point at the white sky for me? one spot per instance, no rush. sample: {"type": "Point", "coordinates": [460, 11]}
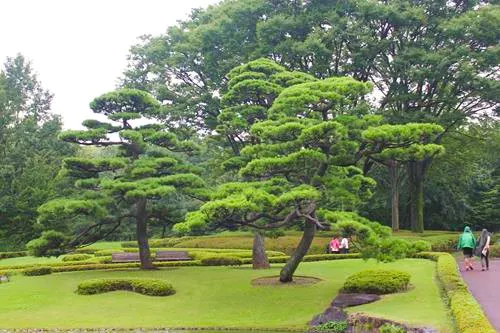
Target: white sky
{"type": "Point", "coordinates": [79, 48]}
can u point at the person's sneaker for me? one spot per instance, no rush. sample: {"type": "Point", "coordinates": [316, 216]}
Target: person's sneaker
{"type": "Point", "coordinates": [483, 269]}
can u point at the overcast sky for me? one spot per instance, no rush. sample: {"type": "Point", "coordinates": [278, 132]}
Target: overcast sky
{"type": "Point", "coordinates": [79, 48]}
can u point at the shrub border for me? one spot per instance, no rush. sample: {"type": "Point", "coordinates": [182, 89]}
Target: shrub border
{"type": "Point", "coordinates": [465, 310]}
{"type": "Point", "coordinates": [148, 287]}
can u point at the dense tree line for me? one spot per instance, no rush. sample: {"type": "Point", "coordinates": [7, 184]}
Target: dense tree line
{"type": "Point", "coordinates": [30, 152]}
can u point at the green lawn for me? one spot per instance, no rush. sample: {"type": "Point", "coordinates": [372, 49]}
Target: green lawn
{"type": "Point", "coordinates": [210, 297]}
{"type": "Point", "coordinates": [28, 261]}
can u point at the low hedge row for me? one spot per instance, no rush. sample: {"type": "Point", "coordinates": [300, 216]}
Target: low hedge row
{"type": "Point", "coordinates": [76, 257]}
{"type": "Point", "coordinates": [6, 255]}
{"type": "Point", "coordinates": [221, 261]}
{"type": "Point", "coordinates": [36, 271]}
{"type": "Point", "coordinates": [377, 281]}
{"type": "Point", "coordinates": [150, 287]}
{"type": "Point", "coordinates": [467, 313]}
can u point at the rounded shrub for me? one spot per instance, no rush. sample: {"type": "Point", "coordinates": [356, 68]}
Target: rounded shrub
{"type": "Point", "coordinates": [377, 281]}
{"type": "Point", "coordinates": [421, 246]}
{"type": "Point", "coordinates": [35, 271]}
{"type": "Point", "coordinates": [76, 257]}
{"type": "Point", "coordinates": [150, 287]}
{"type": "Point", "coordinates": [221, 261]}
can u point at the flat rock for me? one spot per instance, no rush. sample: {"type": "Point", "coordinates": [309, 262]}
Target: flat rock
{"type": "Point", "coordinates": [346, 300]}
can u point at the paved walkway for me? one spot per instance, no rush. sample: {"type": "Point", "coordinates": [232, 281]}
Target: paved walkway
{"type": "Point", "coordinates": [485, 286]}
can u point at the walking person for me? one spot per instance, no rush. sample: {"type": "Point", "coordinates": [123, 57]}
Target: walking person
{"type": "Point", "coordinates": [483, 249]}
{"type": "Point", "coordinates": [467, 243]}
{"type": "Point", "coordinates": [344, 245]}
{"type": "Point", "coordinates": [334, 245]}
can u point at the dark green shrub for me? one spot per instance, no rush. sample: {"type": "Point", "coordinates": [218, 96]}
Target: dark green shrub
{"type": "Point", "coordinates": [445, 243]}
{"type": "Point", "coordinates": [391, 328]}
{"type": "Point", "coordinates": [334, 326]}
{"type": "Point", "coordinates": [51, 243]}
{"type": "Point", "coordinates": [377, 281]}
{"type": "Point", "coordinates": [5, 255]}
{"type": "Point", "coordinates": [76, 257]}
{"type": "Point", "coordinates": [150, 287]}
{"type": "Point", "coordinates": [35, 271]}
{"type": "Point", "coordinates": [221, 261]}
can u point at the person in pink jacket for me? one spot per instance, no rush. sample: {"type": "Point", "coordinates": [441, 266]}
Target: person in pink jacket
{"type": "Point", "coordinates": [335, 245]}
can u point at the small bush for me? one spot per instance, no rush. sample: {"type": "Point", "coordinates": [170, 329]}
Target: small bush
{"type": "Point", "coordinates": [76, 257]}
{"type": "Point", "coordinates": [377, 282]}
{"type": "Point", "coordinates": [35, 271]}
{"type": "Point", "coordinates": [5, 255]}
{"type": "Point", "coordinates": [221, 261]}
{"type": "Point", "coordinates": [150, 287]}
{"type": "Point", "coordinates": [391, 328]}
{"type": "Point", "coordinates": [421, 246]}
{"type": "Point", "coordinates": [334, 326]}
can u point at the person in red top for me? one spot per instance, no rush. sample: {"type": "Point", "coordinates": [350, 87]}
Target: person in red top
{"type": "Point", "coordinates": [334, 245]}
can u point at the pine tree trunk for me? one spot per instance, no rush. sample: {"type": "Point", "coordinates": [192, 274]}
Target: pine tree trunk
{"type": "Point", "coordinates": [142, 234]}
{"type": "Point", "coordinates": [393, 171]}
{"type": "Point", "coordinates": [286, 274]}
{"type": "Point", "coordinates": [415, 172]}
{"type": "Point", "coordinates": [259, 256]}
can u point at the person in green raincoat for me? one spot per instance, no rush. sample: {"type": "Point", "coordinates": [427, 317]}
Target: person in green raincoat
{"type": "Point", "coordinates": [467, 243]}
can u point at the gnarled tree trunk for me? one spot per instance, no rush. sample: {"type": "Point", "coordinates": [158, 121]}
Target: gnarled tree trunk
{"type": "Point", "coordinates": [286, 274]}
{"type": "Point", "coordinates": [259, 256]}
{"type": "Point", "coordinates": [142, 234]}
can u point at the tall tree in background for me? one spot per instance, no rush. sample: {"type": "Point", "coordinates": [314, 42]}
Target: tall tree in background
{"type": "Point", "coordinates": [149, 168]}
{"type": "Point", "coordinates": [30, 153]}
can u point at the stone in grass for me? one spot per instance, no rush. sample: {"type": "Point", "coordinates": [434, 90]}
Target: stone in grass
{"type": "Point", "coordinates": [345, 300]}
{"type": "Point", "coordinates": [330, 314]}
{"type": "Point", "coordinates": [4, 278]}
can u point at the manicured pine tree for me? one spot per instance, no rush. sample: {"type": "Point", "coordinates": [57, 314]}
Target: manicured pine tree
{"type": "Point", "coordinates": [148, 168]}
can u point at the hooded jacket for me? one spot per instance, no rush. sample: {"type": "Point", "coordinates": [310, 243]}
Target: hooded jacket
{"type": "Point", "coordinates": [466, 239]}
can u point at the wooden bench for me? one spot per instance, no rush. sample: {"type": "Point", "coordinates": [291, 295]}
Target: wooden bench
{"type": "Point", "coordinates": [125, 257]}
{"type": "Point", "coordinates": [172, 256]}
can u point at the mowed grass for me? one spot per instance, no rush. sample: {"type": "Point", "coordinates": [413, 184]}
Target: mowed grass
{"type": "Point", "coordinates": [211, 297]}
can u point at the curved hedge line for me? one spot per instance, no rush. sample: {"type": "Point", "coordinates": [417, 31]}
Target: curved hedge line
{"type": "Point", "coordinates": [467, 313]}
{"type": "Point", "coordinates": [150, 287]}
{"type": "Point", "coordinates": [377, 281]}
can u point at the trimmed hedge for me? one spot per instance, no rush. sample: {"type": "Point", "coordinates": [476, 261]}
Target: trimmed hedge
{"type": "Point", "coordinates": [221, 261]}
{"type": "Point", "coordinates": [6, 255]}
{"type": "Point", "coordinates": [150, 287]}
{"type": "Point", "coordinates": [76, 257]}
{"type": "Point", "coordinates": [377, 281]}
{"type": "Point", "coordinates": [36, 271]}
{"type": "Point", "coordinates": [86, 250]}
{"type": "Point", "coordinates": [467, 313]}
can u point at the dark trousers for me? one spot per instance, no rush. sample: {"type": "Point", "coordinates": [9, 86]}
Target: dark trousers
{"type": "Point", "coordinates": [344, 251]}
{"type": "Point", "coordinates": [486, 259]}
